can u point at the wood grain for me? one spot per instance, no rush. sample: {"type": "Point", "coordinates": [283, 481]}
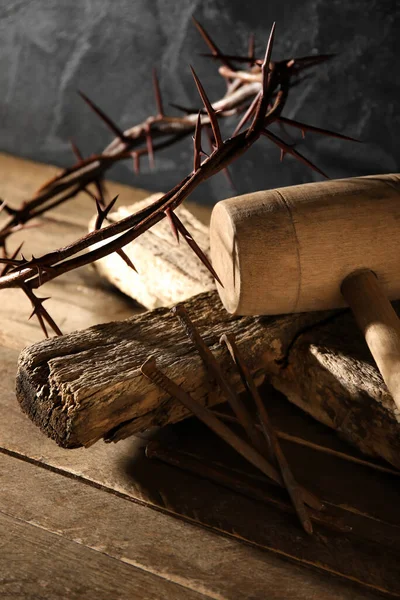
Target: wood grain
{"type": "Point", "coordinates": [331, 375]}
{"type": "Point", "coordinates": [88, 385]}
{"type": "Point", "coordinates": [379, 323]}
{"type": "Point", "coordinates": [288, 250]}
{"type": "Point", "coordinates": [76, 301]}
{"type": "Point", "coordinates": [95, 519]}
{"type": "Point", "coordinates": [43, 565]}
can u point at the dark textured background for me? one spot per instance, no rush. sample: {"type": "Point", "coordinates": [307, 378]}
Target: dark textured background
{"type": "Point", "coordinates": [50, 48]}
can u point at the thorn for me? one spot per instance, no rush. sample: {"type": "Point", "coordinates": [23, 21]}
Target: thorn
{"type": "Point", "coordinates": [263, 98]}
{"type": "Point", "coordinates": [37, 311]}
{"type": "Point", "coordinates": [304, 127]}
{"type": "Point", "coordinates": [307, 62]}
{"type": "Point", "coordinates": [34, 263]}
{"type": "Point", "coordinates": [126, 259]}
{"type": "Point", "coordinates": [10, 211]}
{"type": "Point", "coordinates": [235, 57]}
{"type": "Point", "coordinates": [110, 124]}
{"type": "Point", "coordinates": [289, 150]}
{"type": "Point", "coordinates": [150, 148]}
{"type": "Point", "coordinates": [193, 245]}
{"type": "Point", "coordinates": [170, 217]}
{"type": "Point", "coordinates": [212, 45]}
{"type": "Point", "coordinates": [136, 162]}
{"type": "Point", "coordinates": [210, 140]}
{"type": "Point", "coordinates": [225, 171]}
{"type": "Point", "coordinates": [265, 65]}
{"type": "Point", "coordinates": [247, 114]}
{"type": "Point", "coordinates": [76, 150]}
{"type": "Point", "coordinates": [40, 312]}
{"type": "Point", "coordinates": [197, 145]}
{"type": "Point", "coordinates": [99, 211]}
{"type": "Point", "coordinates": [250, 52]}
{"type": "Point", "coordinates": [10, 261]}
{"type": "Point", "coordinates": [102, 213]}
{"type": "Point", "coordinates": [37, 305]}
{"type": "Point", "coordinates": [17, 251]}
{"type": "Point", "coordinates": [210, 111]}
{"type": "Point", "coordinates": [110, 205]}
{"type": "Point", "coordinates": [42, 324]}
{"type": "Point", "coordinates": [90, 194]}
{"type": "Point", "coordinates": [157, 94]}
{"type": "Point", "coordinates": [99, 184]}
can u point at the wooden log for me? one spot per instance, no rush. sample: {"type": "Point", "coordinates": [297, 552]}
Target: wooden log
{"type": "Point", "coordinates": [167, 272]}
{"type": "Point", "coordinates": [87, 385]}
{"type": "Point", "coordinates": [331, 374]}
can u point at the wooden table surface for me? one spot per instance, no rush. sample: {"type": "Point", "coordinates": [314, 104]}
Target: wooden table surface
{"type": "Point", "coordinates": [105, 522]}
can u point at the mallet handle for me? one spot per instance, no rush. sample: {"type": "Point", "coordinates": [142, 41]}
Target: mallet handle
{"type": "Point", "coordinates": [379, 323]}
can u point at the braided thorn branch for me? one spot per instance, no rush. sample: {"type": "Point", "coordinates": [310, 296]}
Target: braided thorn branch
{"type": "Point", "coordinates": [262, 102]}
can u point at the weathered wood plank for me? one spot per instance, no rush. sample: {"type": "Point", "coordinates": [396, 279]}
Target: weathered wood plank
{"type": "Point", "coordinates": [21, 178]}
{"type": "Point", "coordinates": [40, 564]}
{"type": "Point", "coordinates": [88, 385]}
{"type": "Point", "coordinates": [329, 373]}
{"type": "Point", "coordinates": [75, 303]}
{"type": "Point", "coordinates": [201, 561]}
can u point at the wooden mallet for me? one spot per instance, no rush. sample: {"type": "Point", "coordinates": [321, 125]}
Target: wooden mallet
{"type": "Point", "coordinates": [315, 247]}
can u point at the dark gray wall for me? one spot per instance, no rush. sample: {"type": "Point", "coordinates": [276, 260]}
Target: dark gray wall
{"type": "Point", "coordinates": [51, 48]}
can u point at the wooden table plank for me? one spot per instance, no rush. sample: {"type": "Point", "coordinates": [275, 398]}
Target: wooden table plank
{"type": "Point", "coordinates": [105, 464]}
{"type": "Point", "coordinates": [80, 299]}
{"type": "Point", "coordinates": [42, 565]}
{"type": "Point", "coordinates": [21, 178]}
{"type": "Point", "coordinates": [122, 468]}
{"type": "Point", "coordinates": [197, 559]}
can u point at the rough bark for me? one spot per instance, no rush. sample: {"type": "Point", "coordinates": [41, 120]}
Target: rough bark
{"type": "Point", "coordinates": [330, 373]}
{"type": "Point", "coordinates": [87, 385]}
